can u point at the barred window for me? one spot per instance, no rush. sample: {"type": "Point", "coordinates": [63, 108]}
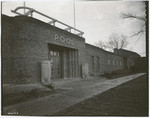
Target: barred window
{"type": "Point", "coordinates": [54, 53]}
{"type": "Point", "coordinates": [51, 52]}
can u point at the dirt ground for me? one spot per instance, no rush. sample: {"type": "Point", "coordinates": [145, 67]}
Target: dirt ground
{"type": "Point", "coordinates": [128, 99]}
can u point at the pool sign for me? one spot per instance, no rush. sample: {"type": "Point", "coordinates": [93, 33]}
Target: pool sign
{"type": "Point", "coordinates": [64, 40]}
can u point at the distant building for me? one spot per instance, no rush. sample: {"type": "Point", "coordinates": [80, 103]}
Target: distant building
{"type": "Point", "coordinates": [128, 56]}
{"type": "Point", "coordinates": [126, 53]}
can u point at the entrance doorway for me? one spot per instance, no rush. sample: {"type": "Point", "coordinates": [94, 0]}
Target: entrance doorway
{"type": "Point", "coordinates": [64, 62]}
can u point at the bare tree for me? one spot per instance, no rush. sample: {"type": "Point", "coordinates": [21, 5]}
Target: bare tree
{"type": "Point", "coordinates": [123, 41]}
{"type": "Point", "coordinates": [101, 44]}
{"type": "Point", "coordinates": [142, 21]}
{"type": "Point", "coordinates": [115, 41]}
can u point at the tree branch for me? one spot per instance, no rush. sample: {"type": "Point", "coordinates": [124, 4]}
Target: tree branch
{"type": "Point", "coordinates": [132, 16]}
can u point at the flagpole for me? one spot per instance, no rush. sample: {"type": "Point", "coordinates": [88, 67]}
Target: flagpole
{"type": "Point", "coordinates": [24, 4]}
{"type": "Point", "coordinates": [74, 15]}
{"type": "Point", "coordinates": [1, 7]}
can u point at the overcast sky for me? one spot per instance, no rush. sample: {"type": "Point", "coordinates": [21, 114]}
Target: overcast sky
{"type": "Point", "coordinates": [97, 19]}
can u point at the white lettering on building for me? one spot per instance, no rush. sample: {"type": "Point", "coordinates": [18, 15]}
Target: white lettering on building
{"type": "Point", "coordinates": [63, 39]}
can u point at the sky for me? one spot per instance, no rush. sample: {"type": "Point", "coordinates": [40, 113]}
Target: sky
{"type": "Point", "coordinates": [97, 19]}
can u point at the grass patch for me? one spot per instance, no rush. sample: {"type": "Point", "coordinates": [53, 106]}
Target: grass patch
{"type": "Point", "coordinates": [128, 99]}
{"type": "Point", "coordinates": [10, 99]}
{"type": "Point", "coordinates": [117, 74]}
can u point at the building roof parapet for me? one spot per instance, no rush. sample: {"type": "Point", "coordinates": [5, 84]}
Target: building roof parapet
{"type": "Point", "coordinates": [52, 22]}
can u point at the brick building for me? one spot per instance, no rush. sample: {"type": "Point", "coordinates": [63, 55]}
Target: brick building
{"type": "Point", "coordinates": [128, 56]}
{"type": "Point", "coordinates": [26, 42]}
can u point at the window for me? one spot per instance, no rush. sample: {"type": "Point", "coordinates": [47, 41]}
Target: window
{"type": "Point", "coordinates": [51, 52]}
{"type": "Point", "coordinates": [55, 53]}
{"type": "Point", "coordinates": [108, 61]}
{"type": "Point", "coordinates": [117, 62]}
{"type": "Point", "coordinates": [92, 64]}
{"type": "Point", "coordinates": [113, 62]}
{"type": "Point", "coordinates": [97, 64]}
{"type": "Point", "coordinates": [120, 63]}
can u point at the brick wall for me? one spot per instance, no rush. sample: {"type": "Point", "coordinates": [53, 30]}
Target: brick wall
{"type": "Point", "coordinates": [7, 49]}
{"type": "Point", "coordinates": [106, 59]}
{"type": "Point", "coordinates": [25, 44]}
{"type": "Point", "coordinates": [129, 57]}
